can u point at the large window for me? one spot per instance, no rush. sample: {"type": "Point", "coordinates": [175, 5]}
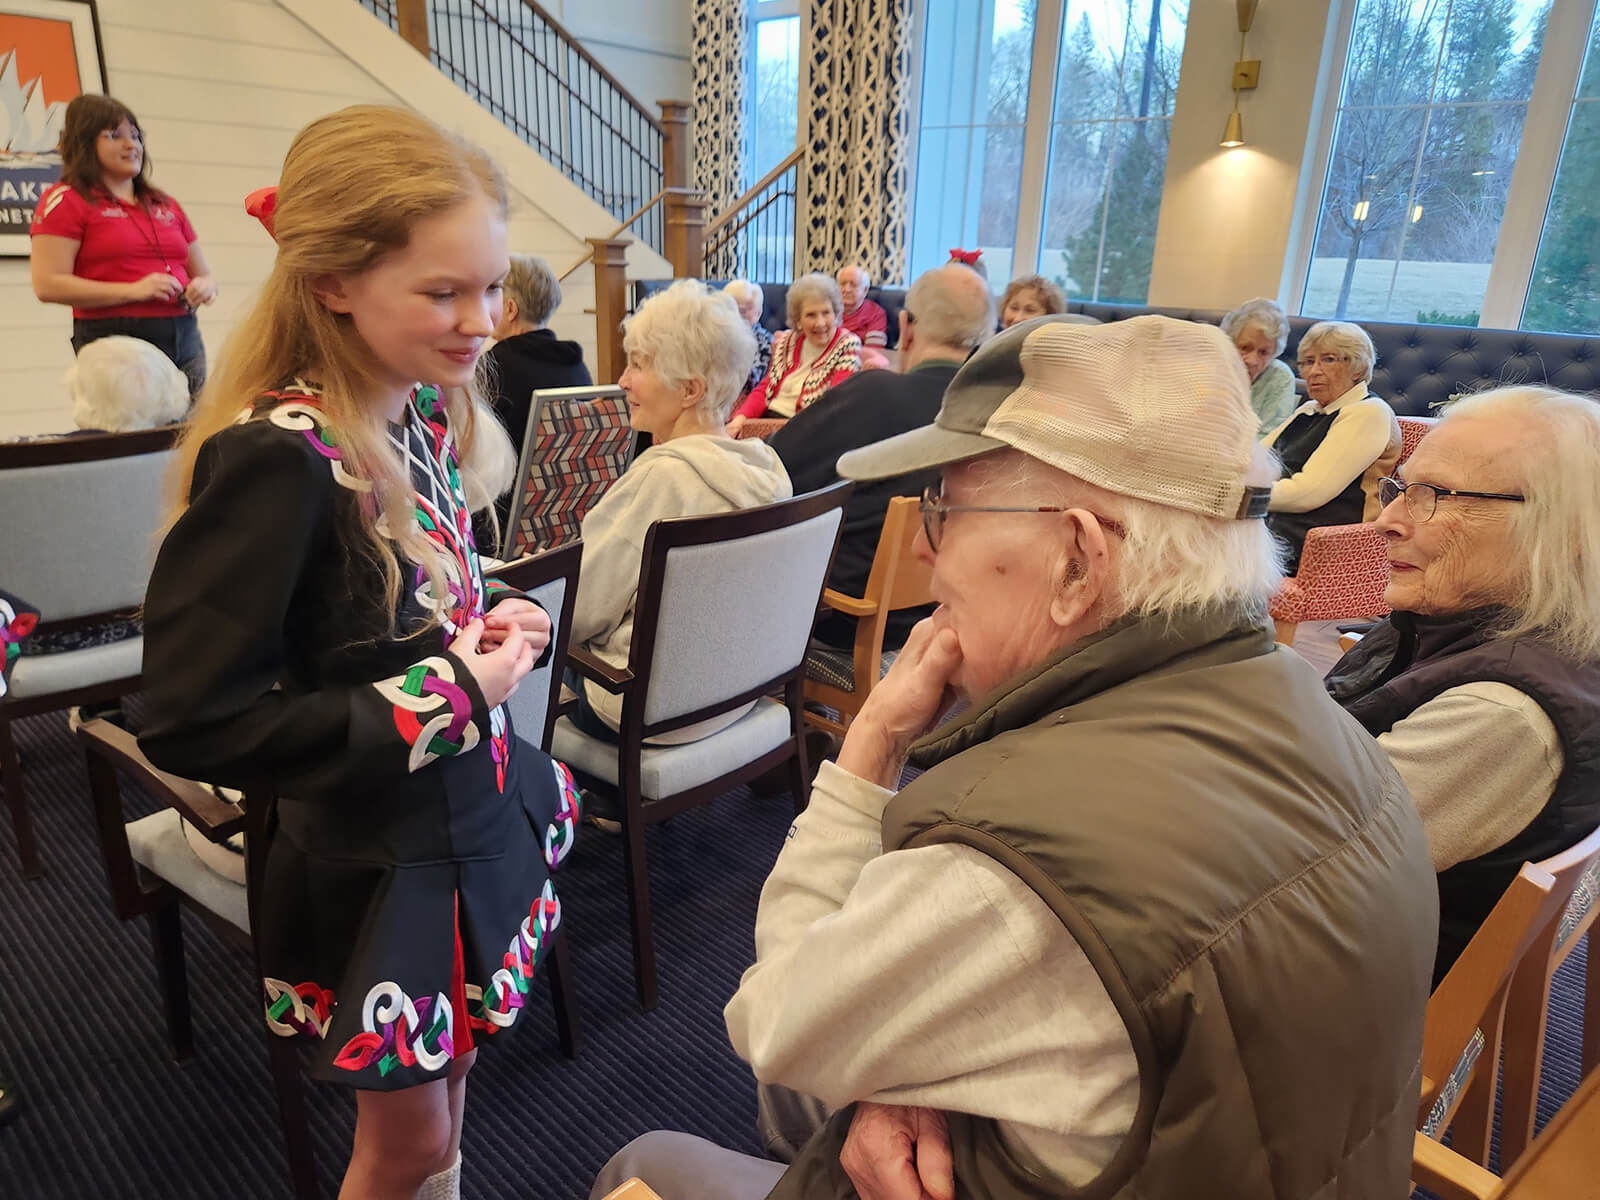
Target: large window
{"type": "Point", "coordinates": [1430, 123]}
{"type": "Point", "coordinates": [775, 87]}
{"type": "Point", "coordinates": [1070, 185]}
{"type": "Point", "coordinates": [1564, 293]}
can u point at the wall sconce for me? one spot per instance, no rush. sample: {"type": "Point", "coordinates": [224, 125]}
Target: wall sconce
{"type": "Point", "coordinates": [1246, 75]}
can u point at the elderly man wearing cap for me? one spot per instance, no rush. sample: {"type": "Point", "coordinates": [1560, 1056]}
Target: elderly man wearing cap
{"type": "Point", "coordinates": [1157, 919]}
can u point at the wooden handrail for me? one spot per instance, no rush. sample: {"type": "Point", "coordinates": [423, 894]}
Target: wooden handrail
{"type": "Point", "coordinates": [620, 229]}
{"type": "Point", "coordinates": [574, 43]}
{"type": "Point", "coordinates": [796, 155]}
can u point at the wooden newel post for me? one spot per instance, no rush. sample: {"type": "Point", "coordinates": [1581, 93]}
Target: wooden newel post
{"type": "Point", "coordinates": [686, 233]}
{"type": "Point", "coordinates": [413, 20]}
{"type": "Point", "coordinates": [610, 306]}
{"type": "Point", "coordinates": [677, 151]}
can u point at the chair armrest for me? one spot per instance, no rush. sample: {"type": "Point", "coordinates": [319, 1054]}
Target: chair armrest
{"type": "Point", "coordinates": [215, 818]}
{"type": "Point", "coordinates": [1447, 1175]}
{"type": "Point", "coordinates": [613, 679]}
{"type": "Point", "coordinates": [850, 606]}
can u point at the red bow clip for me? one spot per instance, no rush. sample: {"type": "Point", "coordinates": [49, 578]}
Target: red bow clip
{"type": "Point", "coordinates": [262, 204]}
{"type": "Point", "coordinates": [969, 257]}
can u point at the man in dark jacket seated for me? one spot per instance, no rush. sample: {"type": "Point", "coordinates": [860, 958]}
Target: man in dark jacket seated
{"type": "Point", "coordinates": [947, 315]}
{"type": "Point", "coordinates": [526, 355]}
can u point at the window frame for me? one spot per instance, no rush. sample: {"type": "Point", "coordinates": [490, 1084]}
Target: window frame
{"type": "Point", "coordinates": [1533, 177]}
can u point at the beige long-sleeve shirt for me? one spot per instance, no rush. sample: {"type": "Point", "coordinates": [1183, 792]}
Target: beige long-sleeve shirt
{"type": "Point", "coordinates": [1480, 760]}
{"type": "Point", "coordinates": [931, 976]}
{"type": "Point", "coordinates": [1364, 429]}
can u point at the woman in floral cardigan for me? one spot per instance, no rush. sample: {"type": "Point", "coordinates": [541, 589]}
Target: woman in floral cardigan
{"type": "Point", "coordinates": [808, 358]}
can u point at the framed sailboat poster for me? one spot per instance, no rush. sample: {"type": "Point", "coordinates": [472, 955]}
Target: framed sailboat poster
{"type": "Point", "coordinates": [49, 53]}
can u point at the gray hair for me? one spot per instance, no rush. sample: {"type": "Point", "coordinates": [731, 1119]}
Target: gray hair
{"type": "Point", "coordinates": [807, 288]}
{"type": "Point", "coordinates": [1558, 527]}
{"type": "Point", "coordinates": [866, 279]}
{"type": "Point", "coordinates": [951, 307]}
{"type": "Point", "coordinates": [1264, 316]}
{"type": "Point", "coordinates": [743, 292]}
{"type": "Point", "coordinates": [532, 284]}
{"type": "Point", "coordinates": [121, 384]}
{"type": "Point", "coordinates": [1172, 563]}
{"type": "Point", "coordinates": [1343, 338]}
{"type": "Point", "coordinates": [690, 332]}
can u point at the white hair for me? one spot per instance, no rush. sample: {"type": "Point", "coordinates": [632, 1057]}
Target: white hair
{"type": "Point", "coordinates": [744, 292]}
{"type": "Point", "coordinates": [1171, 563]}
{"type": "Point", "coordinates": [1345, 339]}
{"type": "Point", "coordinates": [690, 332]}
{"type": "Point", "coordinates": [120, 384]}
{"type": "Point", "coordinates": [1557, 528]}
{"type": "Point", "coordinates": [1264, 316]}
{"type": "Point", "coordinates": [951, 307]}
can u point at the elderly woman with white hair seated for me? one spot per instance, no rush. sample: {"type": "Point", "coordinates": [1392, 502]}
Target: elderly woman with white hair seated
{"type": "Point", "coordinates": [1337, 445]}
{"type": "Point", "coordinates": [809, 357]}
{"type": "Point", "coordinates": [1483, 685]}
{"type": "Point", "coordinates": [689, 351]}
{"type": "Point", "coordinates": [1260, 331]}
{"type": "Point", "coordinates": [750, 301]}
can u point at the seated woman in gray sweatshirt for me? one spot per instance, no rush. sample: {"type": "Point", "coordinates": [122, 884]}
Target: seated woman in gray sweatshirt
{"type": "Point", "coordinates": [689, 353]}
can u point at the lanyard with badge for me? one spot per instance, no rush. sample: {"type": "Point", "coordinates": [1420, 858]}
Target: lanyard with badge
{"type": "Point", "coordinates": [153, 240]}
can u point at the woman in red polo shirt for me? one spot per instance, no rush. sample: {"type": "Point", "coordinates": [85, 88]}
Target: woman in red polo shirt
{"type": "Point", "coordinates": [120, 252]}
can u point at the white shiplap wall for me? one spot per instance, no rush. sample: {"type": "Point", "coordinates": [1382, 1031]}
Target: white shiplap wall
{"type": "Point", "coordinates": [220, 87]}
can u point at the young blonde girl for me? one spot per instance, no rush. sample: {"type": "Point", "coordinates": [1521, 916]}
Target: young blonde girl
{"type": "Point", "coordinates": [318, 629]}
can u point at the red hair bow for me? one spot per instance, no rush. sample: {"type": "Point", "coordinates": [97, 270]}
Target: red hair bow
{"type": "Point", "coordinates": [262, 204]}
{"type": "Point", "coordinates": [970, 257]}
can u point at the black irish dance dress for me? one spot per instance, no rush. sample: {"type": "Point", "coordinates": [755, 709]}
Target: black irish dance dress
{"type": "Point", "coordinates": [407, 899]}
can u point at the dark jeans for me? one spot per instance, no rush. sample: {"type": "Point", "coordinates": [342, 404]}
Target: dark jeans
{"type": "Point", "coordinates": [176, 337]}
{"type": "Point", "coordinates": [582, 714]}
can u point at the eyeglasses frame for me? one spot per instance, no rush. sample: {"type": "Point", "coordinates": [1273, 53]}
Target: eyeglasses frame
{"type": "Point", "coordinates": [932, 504]}
{"type": "Point", "coordinates": [1403, 489]}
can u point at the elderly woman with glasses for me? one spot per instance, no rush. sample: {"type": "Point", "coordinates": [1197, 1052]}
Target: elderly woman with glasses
{"type": "Point", "coordinates": [1484, 683]}
{"type": "Point", "coordinates": [1337, 445]}
{"type": "Point", "coordinates": [808, 358]}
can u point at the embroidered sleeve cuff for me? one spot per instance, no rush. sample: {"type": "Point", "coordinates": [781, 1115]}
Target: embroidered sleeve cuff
{"type": "Point", "coordinates": [437, 708]}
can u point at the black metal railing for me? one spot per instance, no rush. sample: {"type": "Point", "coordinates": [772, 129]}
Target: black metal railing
{"type": "Point", "coordinates": [755, 238]}
{"type": "Point", "coordinates": [513, 58]}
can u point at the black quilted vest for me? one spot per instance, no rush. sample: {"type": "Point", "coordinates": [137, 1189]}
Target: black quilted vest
{"type": "Point", "coordinates": [1407, 661]}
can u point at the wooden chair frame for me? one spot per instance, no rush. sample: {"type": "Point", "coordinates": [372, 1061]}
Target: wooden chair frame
{"type": "Point", "coordinates": [898, 580]}
{"type": "Point", "coordinates": [633, 685]}
{"type": "Point", "coordinates": [136, 892]}
{"type": "Point", "coordinates": [49, 452]}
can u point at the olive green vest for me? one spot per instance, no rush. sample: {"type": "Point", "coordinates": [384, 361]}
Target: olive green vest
{"type": "Point", "coordinates": [1247, 875]}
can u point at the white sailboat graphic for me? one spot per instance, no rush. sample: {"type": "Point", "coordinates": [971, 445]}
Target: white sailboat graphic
{"type": "Point", "coordinates": [28, 125]}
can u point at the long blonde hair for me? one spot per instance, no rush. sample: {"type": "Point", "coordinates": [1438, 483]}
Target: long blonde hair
{"type": "Point", "coordinates": [354, 185]}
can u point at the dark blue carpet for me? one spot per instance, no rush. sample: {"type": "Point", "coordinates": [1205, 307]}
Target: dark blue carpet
{"type": "Point", "coordinates": [107, 1114]}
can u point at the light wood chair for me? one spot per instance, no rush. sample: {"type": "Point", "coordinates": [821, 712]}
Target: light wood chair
{"type": "Point", "coordinates": [1577, 877]}
{"type": "Point", "coordinates": [1462, 1030]}
{"type": "Point", "coordinates": [633, 1189]}
{"type": "Point", "coordinates": [1560, 1165]}
{"type": "Point", "coordinates": [841, 679]}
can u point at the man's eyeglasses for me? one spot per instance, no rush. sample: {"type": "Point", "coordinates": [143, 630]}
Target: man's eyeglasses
{"type": "Point", "coordinates": [1423, 498]}
{"type": "Point", "coordinates": [933, 509]}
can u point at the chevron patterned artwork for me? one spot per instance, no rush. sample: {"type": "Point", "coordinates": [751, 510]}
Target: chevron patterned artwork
{"type": "Point", "coordinates": [582, 448]}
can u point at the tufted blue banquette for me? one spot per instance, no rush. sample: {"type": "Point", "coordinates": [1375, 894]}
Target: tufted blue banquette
{"type": "Point", "coordinates": [1419, 366]}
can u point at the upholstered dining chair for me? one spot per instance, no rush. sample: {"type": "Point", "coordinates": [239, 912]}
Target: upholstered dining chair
{"type": "Point", "coordinates": [842, 679]}
{"type": "Point", "coordinates": [154, 872]}
{"type": "Point", "coordinates": [1560, 1165]}
{"type": "Point", "coordinates": [1343, 568]}
{"type": "Point", "coordinates": [1461, 1033]}
{"type": "Point", "coordinates": [1577, 875]}
{"type": "Point", "coordinates": [698, 652]}
{"type": "Point", "coordinates": [78, 538]}
{"type": "Point", "coordinates": [577, 444]}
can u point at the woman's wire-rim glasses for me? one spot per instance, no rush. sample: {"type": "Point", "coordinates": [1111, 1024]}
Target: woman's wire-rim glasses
{"type": "Point", "coordinates": [933, 509]}
{"type": "Point", "coordinates": [1423, 498]}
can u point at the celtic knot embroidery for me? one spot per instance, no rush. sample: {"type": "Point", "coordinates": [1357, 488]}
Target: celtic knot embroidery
{"type": "Point", "coordinates": [508, 989]}
{"type": "Point", "coordinates": [430, 688]}
{"type": "Point", "coordinates": [408, 1034]}
{"type": "Point", "coordinates": [303, 416]}
{"type": "Point", "coordinates": [297, 1008]}
{"type": "Point", "coordinates": [569, 811]}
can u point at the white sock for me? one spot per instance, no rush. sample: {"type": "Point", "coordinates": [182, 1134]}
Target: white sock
{"type": "Point", "coordinates": [446, 1185]}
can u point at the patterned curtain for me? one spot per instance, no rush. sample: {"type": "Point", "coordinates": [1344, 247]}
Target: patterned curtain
{"type": "Point", "coordinates": [721, 46]}
{"type": "Point", "coordinates": [858, 131]}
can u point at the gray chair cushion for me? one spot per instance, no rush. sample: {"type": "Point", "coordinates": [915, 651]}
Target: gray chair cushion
{"type": "Point", "coordinates": [668, 770]}
{"type": "Point", "coordinates": [837, 668]}
{"type": "Point", "coordinates": [45, 674]}
{"type": "Point", "coordinates": [158, 845]}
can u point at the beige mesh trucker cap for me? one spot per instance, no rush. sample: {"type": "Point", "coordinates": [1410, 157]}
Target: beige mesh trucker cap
{"type": "Point", "coordinates": [1149, 407]}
